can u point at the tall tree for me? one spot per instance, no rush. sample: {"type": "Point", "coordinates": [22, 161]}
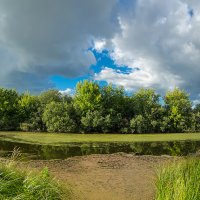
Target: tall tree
{"type": "Point", "coordinates": [196, 118]}
{"type": "Point", "coordinates": [93, 121]}
{"type": "Point", "coordinates": [48, 96]}
{"type": "Point", "coordinates": [197, 108]}
{"type": "Point", "coordinates": [115, 108]}
{"type": "Point", "coordinates": [30, 113]}
{"type": "Point", "coordinates": [87, 97]}
{"type": "Point", "coordinates": [148, 111]}
{"type": "Point", "coordinates": [9, 109]}
{"type": "Point", "coordinates": [179, 110]}
{"type": "Point", "coordinates": [113, 98]}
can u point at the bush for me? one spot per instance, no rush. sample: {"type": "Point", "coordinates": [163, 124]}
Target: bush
{"type": "Point", "coordinates": [57, 118]}
{"type": "Point", "coordinates": [92, 121]}
{"type": "Point", "coordinates": [138, 124]}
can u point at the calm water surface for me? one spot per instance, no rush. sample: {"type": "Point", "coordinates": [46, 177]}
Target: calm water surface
{"type": "Point", "coordinates": [35, 151]}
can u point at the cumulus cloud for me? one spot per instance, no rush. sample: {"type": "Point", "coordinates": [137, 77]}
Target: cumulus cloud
{"type": "Point", "coordinates": [68, 91]}
{"type": "Point", "coordinates": [160, 42]}
{"type": "Point", "coordinates": [99, 45]}
{"type": "Point", "coordinates": [39, 38]}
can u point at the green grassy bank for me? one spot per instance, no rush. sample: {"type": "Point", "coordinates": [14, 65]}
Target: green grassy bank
{"type": "Point", "coordinates": [18, 184]}
{"type": "Point", "coordinates": [56, 139]}
{"type": "Point", "coordinates": [179, 181]}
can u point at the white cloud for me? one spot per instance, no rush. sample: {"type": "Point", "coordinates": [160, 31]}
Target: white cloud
{"type": "Point", "coordinates": [161, 38]}
{"type": "Point", "coordinates": [43, 38]}
{"type": "Point", "coordinates": [195, 102]}
{"type": "Point", "coordinates": [137, 79]}
{"type": "Point", "coordinates": [99, 45]}
{"type": "Point", "coordinates": [66, 91]}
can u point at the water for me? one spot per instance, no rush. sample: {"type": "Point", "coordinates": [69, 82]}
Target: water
{"type": "Point", "coordinates": [36, 151]}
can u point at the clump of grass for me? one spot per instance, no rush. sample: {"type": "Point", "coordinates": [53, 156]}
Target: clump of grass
{"type": "Point", "coordinates": [179, 181]}
{"type": "Point", "coordinates": [17, 184]}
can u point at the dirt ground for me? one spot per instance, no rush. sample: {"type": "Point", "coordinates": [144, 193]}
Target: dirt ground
{"type": "Point", "coordinates": [107, 177]}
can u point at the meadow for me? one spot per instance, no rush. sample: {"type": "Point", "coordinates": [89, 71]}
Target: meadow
{"type": "Point", "coordinates": [58, 139]}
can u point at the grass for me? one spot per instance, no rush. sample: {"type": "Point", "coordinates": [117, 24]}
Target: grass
{"type": "Point", "coordinates": [179, 181]}
{"type": "Point", "coordinates": [18, 184]}
{"type": "Point", "coordinates": [57, 139]}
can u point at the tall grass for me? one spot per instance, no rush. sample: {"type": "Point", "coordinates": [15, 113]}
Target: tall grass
{"type": "Point", "coordinates": [179, 181]}
{"type": "Point", "coordinates": [18, 184]}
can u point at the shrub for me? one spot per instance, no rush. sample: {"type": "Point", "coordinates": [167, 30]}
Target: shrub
{"type": "Point", "coordinates": [138, 124]}
{"type": "Point", "coordinates": [57, 118]}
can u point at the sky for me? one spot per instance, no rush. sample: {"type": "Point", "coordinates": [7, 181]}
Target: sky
{"type": "Point", "coordinates": [132, 43]}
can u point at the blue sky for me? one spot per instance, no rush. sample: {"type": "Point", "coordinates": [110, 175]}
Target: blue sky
{"type": "Point", "coordinates": [130, 43]}
{"type": "Point", "coordinates": [103, 59]}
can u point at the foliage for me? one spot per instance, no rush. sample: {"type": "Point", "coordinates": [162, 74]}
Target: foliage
{"type": "Point", "coordinates": [148, 112]}
{"type": "Point", "coordinates": [113, 99]}
{"type": "Point", "coordinates": [138, 124]}
{"type": "Point", "coordinates": [57, 119]}
{"type": "Point", "coordinates": [196, 122]}
{"type": "Point", "coordinates": [144, 100]}
{"type": "Point", "coordinates": [18, 184]}
{"type": "Point", "coordinates": [112, 122]}
{"type": "Point", "coordinates": [179, 181]}
{"type": "Point", "coordinates": [179, 110]}
{"type": "Point", "coordinates": [197, 108]}
{"type": "Point", "coordinates": [116, 109]}
{"type": "Point", "coordinates": [87, 97]}
{"type": "Point", "coordinates": [106, 109]}
{"type": "Point", "coordinates": [49, 96]}
{"type": "Point", "coordinates": [9, 109]}
{"type": "Point", "coordinates": [30, 113]}
{"type": "Point", "coordinates": [92, 121]}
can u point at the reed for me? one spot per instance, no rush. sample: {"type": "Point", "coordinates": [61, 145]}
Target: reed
{"type": "Point", "coordinates": [179, 181]}
{"type": "Point", "coordinates": [19, 184]}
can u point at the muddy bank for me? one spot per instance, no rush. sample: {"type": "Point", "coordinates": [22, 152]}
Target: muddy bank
{"type": "Point", "coordinates": [107, 177]}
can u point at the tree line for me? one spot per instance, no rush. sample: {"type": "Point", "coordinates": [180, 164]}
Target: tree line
{"type": "Point", "coordinates": [96, 109]}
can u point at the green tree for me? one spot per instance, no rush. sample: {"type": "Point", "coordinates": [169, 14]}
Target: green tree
{"type": "Point", "coordinates": [48, 96]}
{"type": "Point", "coordinates": [113, 122]}
{"type": "Point", "coordinates": [30, 113]}
{"type": "Point", "coordinates": [87, 97]}
{"type": "Point", "coordinates": [57, 118]}
{"type": "Point", "coordinates": [196, 118]}
{"type": "Point", "coordinates": [147, 108]}
{"type": "Point", "coordinates": [27, 105]}
{"type": "Point", "coordinates": [93, 121]}
{"type": "Point", "coordinates": [9, 109]}
{"type": "Point", "coordinates": [116, 109]}
{"type": "Point", "coordinates": [178, 110]}
{"type": "Point", "coordinates": [67, 98]}
{"type": "Point", "coordinates": [138, 124]}
{"type": "Point", "coordinates": [196, 121]}
{"type": "Point", "coordinates": [196, 108]}
{"type": "Point", "coordinates": [113, 98]}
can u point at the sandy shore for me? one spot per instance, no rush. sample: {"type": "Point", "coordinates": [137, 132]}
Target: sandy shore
{"type": "Point", "coordinates": [107, 177]}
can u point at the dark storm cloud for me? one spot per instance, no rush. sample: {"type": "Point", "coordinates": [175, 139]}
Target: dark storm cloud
{"type": "Point", "coordinates": [51, 37]}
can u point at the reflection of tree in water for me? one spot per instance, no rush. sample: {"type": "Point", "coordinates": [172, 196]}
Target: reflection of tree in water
{"type": "Point", "coordinates": [176, 148]}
